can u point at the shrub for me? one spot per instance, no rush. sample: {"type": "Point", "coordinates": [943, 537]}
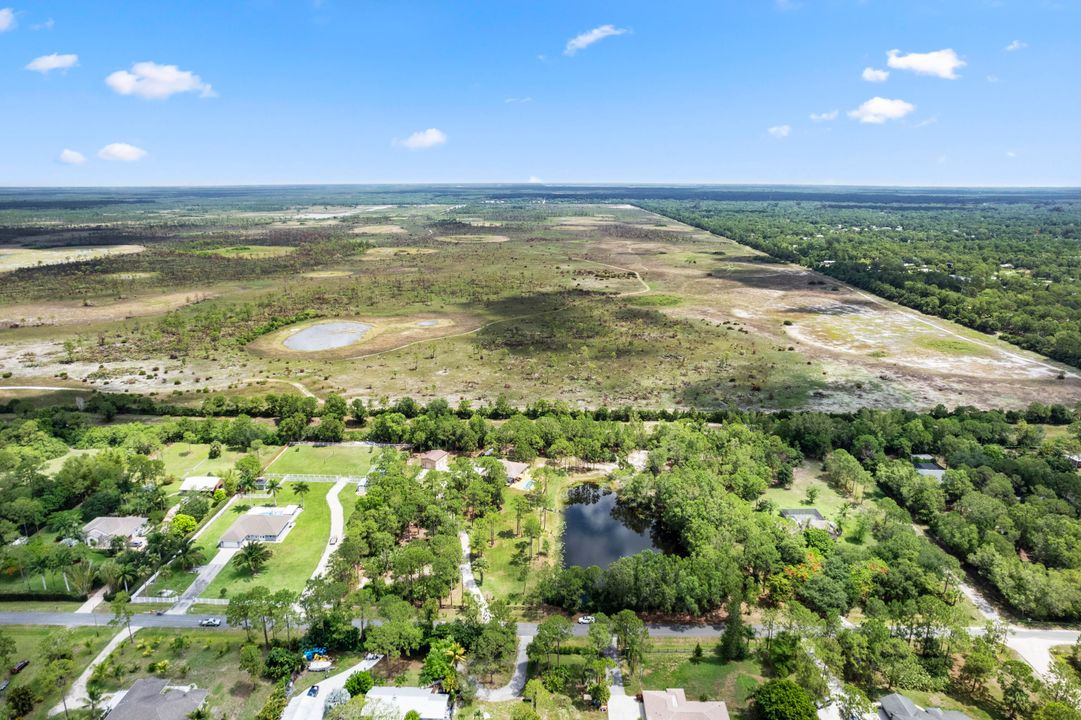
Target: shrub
{"type": "Point", "coordinates": [359, 683]}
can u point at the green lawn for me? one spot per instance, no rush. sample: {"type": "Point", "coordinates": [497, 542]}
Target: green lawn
{"type": "Point", "coordinates": [85, 644]}
{"type": "Point", "coordinates": [294, 560]}
{"type": "Point", "coordinates": [332, 460]}
{"type": "Point", "coordinates": [184, 459]}
{"type": "Point", "coordinates": [829, 502]}
{"type": "Point", "coordinates": [40, 606]}
{"type": "Point", "coordinates": [668, 664]}
{"type": "Point", "coordinates": [209, 660]}
{"type": "Point", "coordinates": [509, 571]}
{"type": "Point", "coordinates": [51, 467]}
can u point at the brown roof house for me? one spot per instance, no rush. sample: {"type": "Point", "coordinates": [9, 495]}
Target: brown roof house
{"type": "Point", "coordinates": [672, 704]}
{"type": "Point", "coordinates": [435, 460]}
{"type": "Point", "coordinates": [155, 699]}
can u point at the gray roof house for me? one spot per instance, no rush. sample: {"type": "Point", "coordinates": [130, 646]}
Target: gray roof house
{"type": "Point", "coordinates": [101, 530]}
{"type": "Point", "coordinates": [928, 466]}
{"type": "Point", "coordinates": [257, 527]}
{"type": "Point", "coordinates": [155, 699]}
{"type": "Point", "coordinates": [898, 707]}
{"type": "Point", "coordinates": [809, 517]}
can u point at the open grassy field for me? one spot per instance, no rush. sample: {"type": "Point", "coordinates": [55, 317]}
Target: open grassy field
{"type": "Point", "coordinates": [326, 460]}
{"type": "Point", "coordinates": [250, 252]}
{"type": "Point", "coordinates": [185, 459]}
{"type": "Point", "coordinates": [85, 644]}
{"type": "Point", "coordinates": [558, 301]}
{"type": "Point", "coordinates": [669, 664]}
{"type": "Point", "coordinates": [209, 660]}
{"type": "Point", "coordinates": [294, 559]}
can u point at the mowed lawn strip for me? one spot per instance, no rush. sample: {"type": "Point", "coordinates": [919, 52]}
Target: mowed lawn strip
{"type": "Point", "coordinates": [327, 460]}
{"type": "Point", "coordinates": [187, 459]}
{"type": "Point", "coordinates": [294, 560]}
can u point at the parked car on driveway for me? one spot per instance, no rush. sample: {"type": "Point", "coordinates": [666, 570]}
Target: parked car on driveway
{"type": "Point", "coordinates": [19, 667]}
{"type": "Point", "coordinates": [313, 691]}
{"type": "Point", "coordinates": [587, 620]}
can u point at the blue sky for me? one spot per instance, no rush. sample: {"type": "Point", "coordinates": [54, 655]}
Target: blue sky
{"type": "Point", "coordinates": [979, 92]}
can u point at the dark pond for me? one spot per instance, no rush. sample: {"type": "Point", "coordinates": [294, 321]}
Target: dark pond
{"type": "Point", "coordinates": [597, 531]}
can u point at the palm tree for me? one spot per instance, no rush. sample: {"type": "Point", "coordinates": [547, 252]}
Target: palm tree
{"type": "Point", "coordinates": [125, 573]}
{"type": "Point", "coordinates": [252, 556]}
{"type": "Point", "coordinates": [188, 555]}
{"type": "Point", "coordinates": [480, 564]}
{"type": "Point", "coordinates": [274, 486]}
{"type": "Point", "coordinates": [301, 489]}
{"type": "Point", "coordinates": [94, 694]}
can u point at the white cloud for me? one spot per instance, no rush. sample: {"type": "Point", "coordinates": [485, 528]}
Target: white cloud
{"type": "Point", "coordinates": [72, 157]}
{"type": "Point", "coordinates": [7, 19]}
{"type": "Point", "coordinates": [47, 63]}
{"type": "Point", "coordinates": [534, 180]}
{"type": "Point", "coordinates": [992, 78]}
{"type": "Point", "coordinates": [423, 139]}
{"type": "Point", "coordinates": [157, 82]}
{"type": "Point", "coordinates": [518, 100]}
{"type": "Point", "coordinates": [940, 63]}
{"type": "Point", "coordinates": [1016, 45]}
{"type": "Point", "coordinates": [870, 74]}
{"type": "Point", "coordinates": [47, 25]}
{"type": "Point", "coordinates": [1011, 154]}
{"type": "Point", "coordinates": [780, 131]}
{"type": "Point", "coordinates": [929, 121]}
{"type": "Point", "coordinates": [824, 117]}
{"type": "Point", "coordinates": [121, 152]}
{"type": "Point", "coordinates": [878, 110]}
{"type": "Point", "coordinates": [581, 42]}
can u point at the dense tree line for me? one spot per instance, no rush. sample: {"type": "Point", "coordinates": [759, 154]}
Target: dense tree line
{"type": "Point", "coordinates": [1010, 269]}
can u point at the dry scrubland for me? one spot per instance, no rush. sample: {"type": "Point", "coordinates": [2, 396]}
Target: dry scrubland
{"type": "Point", "coordinates": [589, 304]}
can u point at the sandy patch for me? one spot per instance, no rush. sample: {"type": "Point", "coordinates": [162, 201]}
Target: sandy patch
{"type": "Point", "coordinates": [326, 274]}
{"type": "Point", "coordinates": [385, 252]}
{"type": "Point", "coordinates": [378, 229]}
{"type": "Point", "coordinates": [15, 258]}
{"type": "Point", "coordinates": [74, 313]}
{"type": "Point", "coordinates": [473, 239]}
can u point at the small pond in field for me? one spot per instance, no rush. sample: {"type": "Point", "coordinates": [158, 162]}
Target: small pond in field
{"type": "Point", "coordinates": [327, 336]}
{"type": "Point", "coordinates": [597, 531]}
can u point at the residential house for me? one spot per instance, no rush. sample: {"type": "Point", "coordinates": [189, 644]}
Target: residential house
{"type": "Point", "coordinates": [100, 531]}
{"type": "Point", "coordinates": [898, 707]}
{"type": "Point", "coordinates": [260, 524]}
{"type": "Point", "coordinates": [672, 704]}
{"type": "Point", "coordinates": [809, 518]}
{"type": "Point", "coordinates": [435, 460]}
{"type": "Point", "coordinates": [428, 705]}
{"type": "Point", "coordinates": [155, 699]}
{"type": "Point", "coordinates": [200, 483]}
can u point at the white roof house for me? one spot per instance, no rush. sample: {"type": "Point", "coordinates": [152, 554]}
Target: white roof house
{"type": "Point", "coordinates": [200, 483]}
{"type": "Point", "coordinates": [101, 530]}
{"type": "Point", "coordinates": [515, 470]}
{"type": "Point", "coordinates": [429, 705]}
{"type": "Point", "coordinates": [672, 704]}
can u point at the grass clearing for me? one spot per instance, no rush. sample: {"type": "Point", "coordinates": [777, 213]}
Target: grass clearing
{"type": "Point", "coordinates": [323, 460]}
{"type": "Point", "coordinates": [85, 644]}
{"type": "Point", "coordinates": [669, 664]}
{"type": "Point", "coordinates": [250, 252]}
{"type": "Point", "coordinates": [15, 258]}
{"type": "Point", "coordinates": [186, 459]}
{"type": "Point", "coordinates": [208, 660]}
{"type": "Point", "coordinates": [808, 475]}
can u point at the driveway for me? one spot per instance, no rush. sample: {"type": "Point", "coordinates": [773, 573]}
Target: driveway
{"type": "Point", "coordinates": [470, 582]}
{"type": "Point", "coordinates": [303, 707]}
{"type": "Point", "coordinates": [202, 581]}
{"type": "Point", "coordinates": [337, 526]}
{"type": "Point", "coordinates": [513, 689]}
